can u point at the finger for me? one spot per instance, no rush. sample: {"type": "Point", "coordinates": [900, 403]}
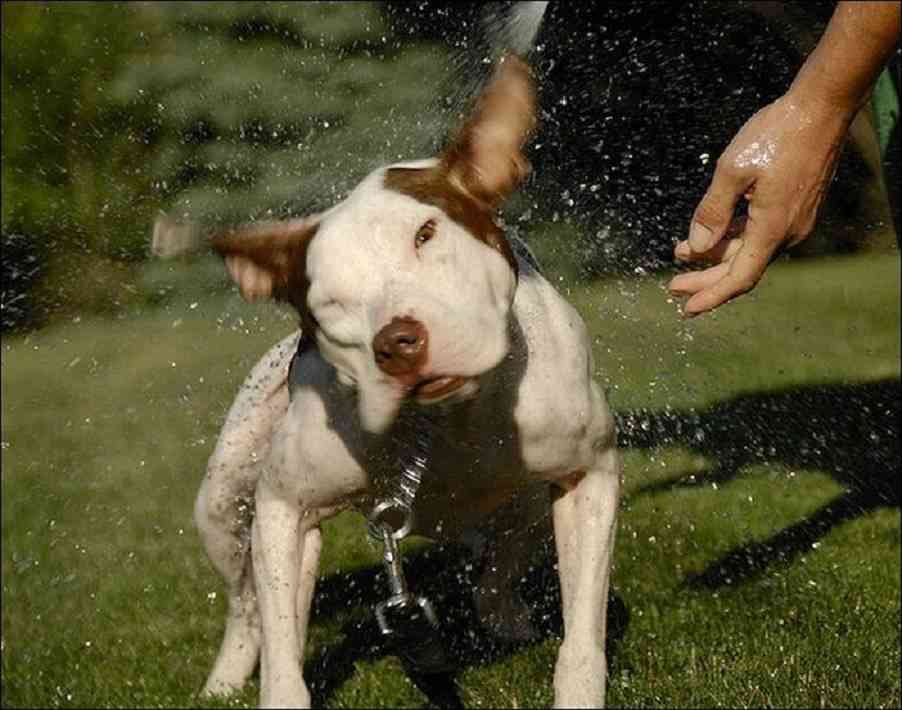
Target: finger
{"type": "Point", "coordinates": [692, 282]}
{"type": "Point", "coordinates": [722, 251]}
{"type": "Point", "coordinates": [714, 213]}
{"type": "Point", "coordinates": [745, 270]}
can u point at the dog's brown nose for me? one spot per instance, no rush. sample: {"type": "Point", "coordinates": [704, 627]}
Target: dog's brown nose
{"type": "Point", "coordinates": [400, 347]}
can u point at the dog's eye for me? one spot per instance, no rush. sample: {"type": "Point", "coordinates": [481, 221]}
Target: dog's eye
{"type": "Point", "coordinates": [425, 233]}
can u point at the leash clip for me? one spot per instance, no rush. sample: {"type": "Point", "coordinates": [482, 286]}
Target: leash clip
{"type": "Point", "coordinates": [407, 621]}
{"type": "Point", "coordinates": [392, 515]}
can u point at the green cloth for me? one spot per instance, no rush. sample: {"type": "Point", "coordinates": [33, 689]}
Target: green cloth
{"type": "Point", "coordinates": [885, 102]}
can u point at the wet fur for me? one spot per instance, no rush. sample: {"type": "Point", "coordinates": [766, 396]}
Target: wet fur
{"type": "Point", "coordinates": [320, 428]}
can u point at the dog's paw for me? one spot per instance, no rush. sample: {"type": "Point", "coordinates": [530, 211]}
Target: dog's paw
{"type": "Point", "coordinates": [223, 683]}
{"type": "Point", "coordinates": [285, 695]}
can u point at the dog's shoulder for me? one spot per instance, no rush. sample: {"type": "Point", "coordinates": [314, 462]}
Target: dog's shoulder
{"type": "Point", "coordinates": [559, 409]}
{"type": "Point", "coordinates": [555, 333]}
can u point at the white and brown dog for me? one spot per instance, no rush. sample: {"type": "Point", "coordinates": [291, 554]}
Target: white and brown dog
{"type": "Point", "coordinates": [412, 300]}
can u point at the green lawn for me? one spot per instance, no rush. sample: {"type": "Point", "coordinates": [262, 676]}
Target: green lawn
{"type": "Point", "coordinates": [735, 583]}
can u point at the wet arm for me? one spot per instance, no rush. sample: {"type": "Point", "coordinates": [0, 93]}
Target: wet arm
{"type": "Point", "coordinates": [857, 43]}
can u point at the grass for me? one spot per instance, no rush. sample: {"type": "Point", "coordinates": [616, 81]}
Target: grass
{"type": "Point", "coordinates": [737, 583]}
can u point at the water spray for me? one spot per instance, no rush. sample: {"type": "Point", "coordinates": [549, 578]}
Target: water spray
{"type": "Point", "coordinates": [519, 33]}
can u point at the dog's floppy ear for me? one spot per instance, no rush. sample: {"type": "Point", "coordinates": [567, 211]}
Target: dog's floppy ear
{"type": "Point", "coordinates": [486, 159]}
{"type": "Point", "coordinates": [268, 259]}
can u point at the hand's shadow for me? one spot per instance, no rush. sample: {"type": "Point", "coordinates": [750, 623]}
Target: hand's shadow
{"type": "Point", "coordinates": [446, 574]}
{"type": "Point", "coordinates": [850, 432]}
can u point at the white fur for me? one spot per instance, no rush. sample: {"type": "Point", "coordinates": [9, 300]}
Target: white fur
{"type": "Point", "coordinates": [364, 272]}
{"type": "Point", "coordinates": [535, 437]}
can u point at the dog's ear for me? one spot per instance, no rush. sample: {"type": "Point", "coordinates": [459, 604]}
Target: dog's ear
{"type": "Point", "coordinates": [268, 259]}
{"type": "Point", "coordinates": [486, 159]}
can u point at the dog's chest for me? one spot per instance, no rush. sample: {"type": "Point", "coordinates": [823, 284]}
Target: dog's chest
{"type": "Point", "coordinates": [467, 470]}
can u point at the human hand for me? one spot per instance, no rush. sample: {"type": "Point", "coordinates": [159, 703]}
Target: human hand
{"type": "Point", "coordinates": [781, 162]}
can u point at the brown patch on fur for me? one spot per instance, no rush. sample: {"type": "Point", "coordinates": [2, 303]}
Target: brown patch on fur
{"type": "Point", "coordinates": [570, 481]}
{"type": "Point", "coordinates": [485, 162]}
{"type": "Point", "coordinates": [431, 187]}
{"type": "Point", "coordinates": [279, 248]}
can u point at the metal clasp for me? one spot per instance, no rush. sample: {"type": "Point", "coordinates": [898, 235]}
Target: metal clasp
{"type": "Point", "coordinates": [387, 513]}
{"type": "Point", "coordinates": [407, 621]}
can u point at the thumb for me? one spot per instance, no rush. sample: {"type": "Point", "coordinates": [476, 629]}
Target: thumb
{"type": "Point", "coordinates": [714, 213]}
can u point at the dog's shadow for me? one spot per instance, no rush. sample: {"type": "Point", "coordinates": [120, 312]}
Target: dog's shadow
{"type": "Point", "coordinates": [849, 431]}
{"type": "Point", "coordinates": [446, 574]}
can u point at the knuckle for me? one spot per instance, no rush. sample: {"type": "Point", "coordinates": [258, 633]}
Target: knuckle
{"type": "Point", "coordinates": [711, 213]}
{"type": "Point", "coordinates": [725, 163]}
{"type": "Point", "coordinates": [727, 167]}
{"type": "Point", "coordinates": [745, 283]}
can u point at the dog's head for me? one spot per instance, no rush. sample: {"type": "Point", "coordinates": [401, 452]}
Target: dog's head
{"type": "Point", "coordinates": [406, 285]}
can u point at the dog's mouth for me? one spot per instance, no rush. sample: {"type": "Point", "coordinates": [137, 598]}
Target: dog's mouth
{"type": "Point", "coordinates": [436, 389]}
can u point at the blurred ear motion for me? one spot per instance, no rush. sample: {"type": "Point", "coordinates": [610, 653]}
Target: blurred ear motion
{"type": "Point", "coordinates": [485, 160]}
{"type": "Point", "coordinates": [268, 259]}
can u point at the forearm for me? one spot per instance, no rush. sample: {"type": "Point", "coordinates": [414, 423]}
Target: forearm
{"type": "Point", "coordinates": [857, 43]}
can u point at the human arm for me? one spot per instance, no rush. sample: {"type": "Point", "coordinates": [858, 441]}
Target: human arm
{"type": "Point", "coordinates": [783, 159]}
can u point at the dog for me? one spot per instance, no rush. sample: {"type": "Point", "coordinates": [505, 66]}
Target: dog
{"type": "Point", "coordinates": [417, 313]}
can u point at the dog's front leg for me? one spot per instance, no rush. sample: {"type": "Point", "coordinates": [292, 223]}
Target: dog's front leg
{"type": "Point", "coordinates": [277, 545]}
{"type": "Point", "coordinates": [310, 546]}
{"type": "Point", "coordinates": [585, 511]}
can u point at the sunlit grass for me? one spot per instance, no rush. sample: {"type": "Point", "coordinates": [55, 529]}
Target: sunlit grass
{"type": "Point", "coordinates": [108, 599]}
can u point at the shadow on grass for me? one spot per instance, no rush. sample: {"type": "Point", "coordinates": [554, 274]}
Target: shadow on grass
{"type": "Point", "coordinates": [447, 575]}
{"type": "Point", "coordinates": [850, 432]}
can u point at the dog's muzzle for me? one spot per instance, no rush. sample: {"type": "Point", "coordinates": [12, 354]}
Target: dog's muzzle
{"type": "Point", "coordinates": [401, 349]}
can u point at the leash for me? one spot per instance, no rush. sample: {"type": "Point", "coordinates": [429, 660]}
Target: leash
{"type": "Point", "coordinates": [407, 621]}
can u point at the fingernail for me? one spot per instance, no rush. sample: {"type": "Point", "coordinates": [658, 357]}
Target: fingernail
{"type": "Point", "coordinates": [681, 251]}
{"type": "Point", "coordinates": [677, 285]}
{"type": "Point", "coordinates": [689, 308]}
{"type": "Point", "coordinates": [688, 314]}
{"type": "Point", "coordinates": [700, 237]}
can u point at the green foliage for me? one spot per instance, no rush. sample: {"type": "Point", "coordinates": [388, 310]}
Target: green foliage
{"type": "Point", "coordinates": [71, 161]}
{"type": "Point", "coordinates": [260, 107]}
{"type": "Point", "coordinates": [74, 191]}
{"type": "Point", "coordinates": [211, 112]}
